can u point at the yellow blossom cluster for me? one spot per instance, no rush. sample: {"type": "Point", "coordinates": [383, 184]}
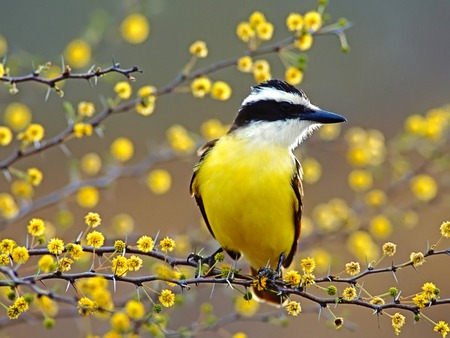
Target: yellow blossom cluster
{"type": "Point", "coordinates": [146, 106]}
{"type": "Point", "coordinates": [98, 297]}
{"type": "Point", "coordinates": [256, 29]}
{"type": "Point", "coordinates": [20, 305]}
{"type": "Point", "coordinates": [180, 140]}
{"type": "Point", "coordinates": [433, 125]}
{"type": "Point", "coordinates": [366, 148]}
{"type": "Point", "coordinates": [202, 86]}
{"type": "Point", "coordinates": [334, 215]}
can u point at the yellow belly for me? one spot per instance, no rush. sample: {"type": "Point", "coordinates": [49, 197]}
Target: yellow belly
{"type": "Point", "coordinates": [248, 199]}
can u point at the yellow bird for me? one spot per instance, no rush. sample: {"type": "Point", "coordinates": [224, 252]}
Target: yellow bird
{"type": "Point", "coordinates": [247, 183]}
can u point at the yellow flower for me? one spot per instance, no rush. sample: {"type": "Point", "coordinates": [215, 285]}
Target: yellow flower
{"type": "Point", "coordinates": [87, 197]}
{"type": "Point", "coordinates": [417, 258]}
{"type": "Point", "coordinates": [8, 206]}
{"type": "Point", "coordinates": [358, 155]}
{"type": "Point", "coordinates": [119, 266]}
{"type": "Point", "coordinates": [134, 263]}
{"type": "Point", "coordinates": [261, 76]}
{"type": "Point", "coordinates": [91, 164]}
{"type": "Point", "coordinates": [264, 31]}
{"type": "Point", "coordinates": [380, 227]}
{"type": "Point", "coordinates": [167, 244]}
{"type": "Point", "coordinates": [75, 250]}
{"type": "Point", "coordinates": [201, 86]}
{"type": "Point", "coordinates": [81, 129]}
{"type": "Point", "coordinates": [362, 246]}
{"type": "Point", "coordinates": [239, 335]}
{"type": "Point", "coordinates": [308, 279]}
{"type": "Point", "coordinates": [120, 322]}
{"type": "Point", "coordinates": [445, 229]}
{"type": "Point", "coordinates": [167, 298]}
{"type": "Point", "coordinates": [46, 263]}
{"type": "Point", "coordinates": [86, 109]}
{"type": "Point", "coordinates": [421, 300]}
{"type": "Point", "coordinates": [86, 306]}
{"type": "Point", "coordinates": [304, 42]}
{"type": "Point", "coordinates": [4, 259]}
{"type": "Point", "coordinates": [415, 124]}
{"type": "Point", "coordinates": [34, 176]}
{"type": "Point", "coordinates": [95, 239]}
{"type": "Point", "coordinates": [246, 308]}
{"type": "Point", "coordinates": [389, 249]}
{"type": "Point", "coordinates": [92, 219]}
{"type": "Point", "coordinates": [424, 187]}
{"type": "Point", "coordinates": [312, 170]}
{"type": "Point", "coordinates": [47, 305]}
{"type": "Point", "coordinates": [244, 31]}
{"type": "Point", "coordinates": [308, 265]}
{"type": "Point", "coordinates": [292, 277]}
{"type": "Point", "coordinates": [329, 132]}
{"type": "Point", "coordinates": [245, 64]}
{"type": "Point", "coordinates": [377, 301]}
{"type": "Point", "coordinates": [349, 293]}
{"type": "Point", "coordinates": [293, 308]}
{"type": "Point", "coordinates": [398, 320]}
{"type": "Point", "coordinates": [2, 68]}
{"type": "Point", "coordinates": [34, 133]}
{"type": "Point", "coordinates": [20, 255]}
{"type": "Point", "coordinates": [146, 91]}
{"type": "Point", "coordinates": [17, 116]}
{"type": "Point", "coordinates": [119, 245]}
{"type": "Point", "coordinates": [13, 312]}
{"type": "Point", "coordinates": [220, 90]}
{"type": "Point", "coordinates": [180, 140]}
{"type": "Point", "coordinates": [65, 264]}
{"type": "Point", "coordinates": [22, 189]}
{"type": "Point", "coordinates": [77, 53]}
{"type": "Point", "coordinates": [159, 181]}
{"type": "Point", "coordinates": [123, 89]}
{"type": "Point", "coordinates": [134, 309]}
{"type": "Point", "coordinates": [294, 22]}
{"type": "Point", "coordinates": [375, 198]}
{"type": "Point", "coordinates": [146, 107]}
{"type": "Point", "coordinates": [21, 304]}
{"type": "Point", "coordinates": [338, 322]}
{"type": "Point", "coordinates": [199, 49]}
{"type": "Point", "coordinates": [429, 290]}
{"type": "Point", "coordinates": [212, 129]}
{"type": "Point", "coordinates": [352, 268]}
{"type": "Point", "coordinates": [312, 21]}
{"type": "Point", "coordinates": [122, 149]}
{"type": "Point", "coordinates": [256, 19]}
{"type": "Point", "coordinates": [36, 227]}
{"type": "Point", "coordinates": [293, 75]}
{"type": "Point", "coordinates": [7, 245]}
{"type": "Point", "coordinates": [442, 328]}
{"type": "Point", "coordinates": [55, 246]}
{"type": "Point", "coordinates": [5, 136]}
{"type": "Point", "coordinates": [262, 66]}
{"type": "Point", "coordinates": [123, 224]}
{"type": "Point", "coordinates": [145, 244]}
{"type": "Point", "coordinates": [135, 28]}
{"type": "Point", "coordinates": [360, 180]}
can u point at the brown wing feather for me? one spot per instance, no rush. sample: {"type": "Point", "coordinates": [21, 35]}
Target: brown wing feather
{"type": "Point", "coordinates": [298, 190]}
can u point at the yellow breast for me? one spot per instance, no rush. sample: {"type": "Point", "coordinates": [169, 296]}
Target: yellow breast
{"type": "Point", "coordinates": [248, 198]}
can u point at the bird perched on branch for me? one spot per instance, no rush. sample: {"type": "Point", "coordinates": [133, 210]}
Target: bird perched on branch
{"type": "Point", "coordinates": [247, 183]}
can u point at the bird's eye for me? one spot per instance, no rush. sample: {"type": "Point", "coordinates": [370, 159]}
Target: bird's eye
{"type": "Point", "coordinates": [286, 106]}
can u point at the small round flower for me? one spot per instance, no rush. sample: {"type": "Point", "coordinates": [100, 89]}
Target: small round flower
{"type": "Point", "coordinates": [123, 224]}
{"type": "Point", "coordinates": [22, 189]}
{"type": "Point", "coordinates": [264, 31]}
{"type": "Point", "coordinates": [201, 86]}
{"type": "Point", "coordinates": [293, 75]}
{"type": "Point", "coordinates": [312, 170]}
{"type": "Point", "coordinates": [429, 290]}
{"type": "Point", "coordinates": [180, 140]}
{"type": "Point", "coordinates": [119, 245]}
{"type": "Point", "coordinates": [7, 246]}
{"type": "Point", "coordinates": [380, 227]}
{"type": "Point", "coordinates": [135, 28]}
{"type": "Point", "coordinates": [88, 197]}
{"type": "Point", "coordinates": [167, 244]}
{"type": "Point", "coordinates": [417, 258]}
{"type": "Point", "coordinates": [293, 308]}
{"type": "Point", "coordinates": [4, 259]}
{"type": "Point", "coordinates": [212, 129]}
{"type": "Point", "coordinates": [167, 298]}
{"type": "Point", "coordinates": [95, 239]}
{"type": "Point", "coordinates": [244, 31]}
{"type": "Point", "coordinates": [424, 187]}
{"type": "Point", "coordinates": [134, 309]}
{"type": "Point", "coordinates": [5, 136]}
{"type": "Point", "coordinates": [36, 227]}
{"type": "Point", "coordinates": [375, 198]}
{"type": "Point", "coordinates": [398, 320]}
{"type": "Point", "coordinates": [46, 263]}
{"type": "Point", "coordinates": [221, 91]}
{"type": "Point", "coordinates": [445, 229]}
{"type": "Point", "coordinates": [65, 264]}
{"type": "Point", "coordinates": [20, 255]}
{"type": "Point", "coordinates": [294, 22]}
{"type": "Point", "coordinates": [91, 164]}
{"type": "Point", "coordinates": [159, 181]}
{"type": "Point", "coordinates": [292, 277]}
{"type": "Point", "coordinates": [81, 129]}
{"type": "Point", "coordinates": [77, 53]}
{"type": "Point", "coordinates": [349, 293]}
{"type": "Point", "coordinates": [312, 21]}
{"type": "Point", "coordinates": [55, 246]}
{"type": "Point", "coordinates": [421, 300]}
{"type": "Point", "coordinates": [389, 249]}
{"type": "Point", "coordinates": [308, 264]}
{"type": "Point", "coordinates": [199, 49]}
{"type": "Point", "coordinates": [17, 116]}
{"type": "Point", "coordinates": [21, 304]}
{"type": "Point", "coordinates": [377, 301]}
{"type": "Point", "coordinates": [34, 176]}
{"type": "Point", "coordinates": [120, 322]}
{"type": "Point", "coordinates": [360, 180]}
{"type": "Point", "coordinates": [308, 279]}
{"type": "Point", "coordinates": [92, 219]}
{"type": "Point", "coordinates": [119, 265]}
{"type": "Point", "coordinates": [86, 109]}
{"type": "Point", "coordinates": [352, 268]}
{"type": "Point", "coordinates": [304, 42]}
{"type": "Point", "coordinates": [86, 306]}
{"type": "Point", "coordinates": [34, 133]}
{"type": "Point", "coordinates": [256, 19]}
{"type": "Point", "coordinates": [338, 322]}
{"type": "Point", "coordinates": [123, 89]}
{"type": "Point", "coordinates": [331, 290]}
{"type": "Point", "coordinates": [134, 263]}
{"type": "Point", "coordinates": [145, 244]}
{"type": "Point", "coordinates": [122, 149]}
{"type": "Point", "coordinates": [75, 250]}
{"type": "Point", "coordinates": [146, 91]}
{"type": "Point", "coordinates": [442, 328]}
{"type": "Point", "coordinates": [245, 64]}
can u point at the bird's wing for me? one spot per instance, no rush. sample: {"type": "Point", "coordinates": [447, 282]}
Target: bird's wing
{"type": "Point", "coordinates": [203, 151]}
{"type": "Point", "coordinates": [298, 190]}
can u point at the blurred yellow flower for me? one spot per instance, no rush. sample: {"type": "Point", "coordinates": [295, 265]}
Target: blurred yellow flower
{"type": "Point", "coordinates": [199, 49]}
{"type": "Point", "coordinates": [294, 22]}
{"type": "Point", "coordinates": [256, 19]}
{"type": "Point", "coordinates": [220, 90]}
{"type": "Point", "coordinates": [146, 91]}
{"type": "Point", "coordinates": [159, 181]}
{"type": "Point", "coordinates": [34, 133]}
{"type": "Point", "coordinates": [212, 129]}
{"type": "Point", "coordinates": [179, 139]}
{"type": "Point", "coordinates": [245, 31]}
{"type": "Point", "coordinates": [123, 90]}
{"type": "Point", "coordinates": [3, 46]}
{"type": "Point", "coordinates": [312, 170]}
{"type": "Point", "coordinates": [88, 197]}
{"type": "Point", "coordinates": [120, 322]}
{"type": "Point", "coordinates": [81, 129]}
{"type": "Point", "coordinates": [122, 149]}
{"type": "Point", "coordinates": [8, 206]}
{"type": "Point", "coordinates": [360, 180]}
{"type": "Point", "coordinates": [5, 136]}
{"type": "Point", "coordinates": [312, 21]}
{"type": "Point", "coordinates": [361, 245]}
{"type": "Point", "coordinates": [201, 86]}
{"type": "Point", "coordinates": [329, 132]}
{"type": "Point", "coordinates": [2, 70]}
{"type": "Point", "coordinates": [91, 164]}
{"type": "Point", "coordinates": [17, 116]}
{"type": "Point", "coordinates": [380, 227]}
{"type": "Point", "coordinates": [86, 109]}
{"type": "Point", "coordinates": [246, 308]}
{"type": "Point", "coordinates": [134, 309]}
{"type": "Point", "coordinates": [304, 42]}
{"type": "Point", "coordinates": [34, 176]}
{"type": "Point", "coordinates": [375, 198]}
{"type": "Point", "coordinates": [424, 187]}
{"type": "Point", "coordinates": [22, 189]}
{"type": "Point", "coordinates": [245, 64]}
{"type": "Point", "coordinates": [135, 28]}
{"type": "Point", "coordinates": [77, 53]}
{"type": "Point", "coordinates": [293, 75]}
{"type": "Point", "coordinates": [123, 224]}
{"type": "Point", "coordinates": [264, 31]}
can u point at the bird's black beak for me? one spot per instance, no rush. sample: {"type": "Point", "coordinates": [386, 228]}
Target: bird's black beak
{"type": "Point", "coordinates": [323, 116]}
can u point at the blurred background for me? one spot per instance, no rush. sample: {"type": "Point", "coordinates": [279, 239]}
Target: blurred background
{"type": "Point", "coordinates": [397, 66]}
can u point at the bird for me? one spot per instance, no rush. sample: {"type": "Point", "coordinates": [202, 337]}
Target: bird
{"type": "Point", "coordinates": [247, 183]}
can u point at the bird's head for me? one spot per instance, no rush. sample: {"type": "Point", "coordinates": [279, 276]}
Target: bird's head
{"type": "Point", "coordinates": [278, 113]}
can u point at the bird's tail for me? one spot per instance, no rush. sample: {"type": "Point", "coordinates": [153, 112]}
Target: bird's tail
{"type": "Point", "coordinates": [262, 294]}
